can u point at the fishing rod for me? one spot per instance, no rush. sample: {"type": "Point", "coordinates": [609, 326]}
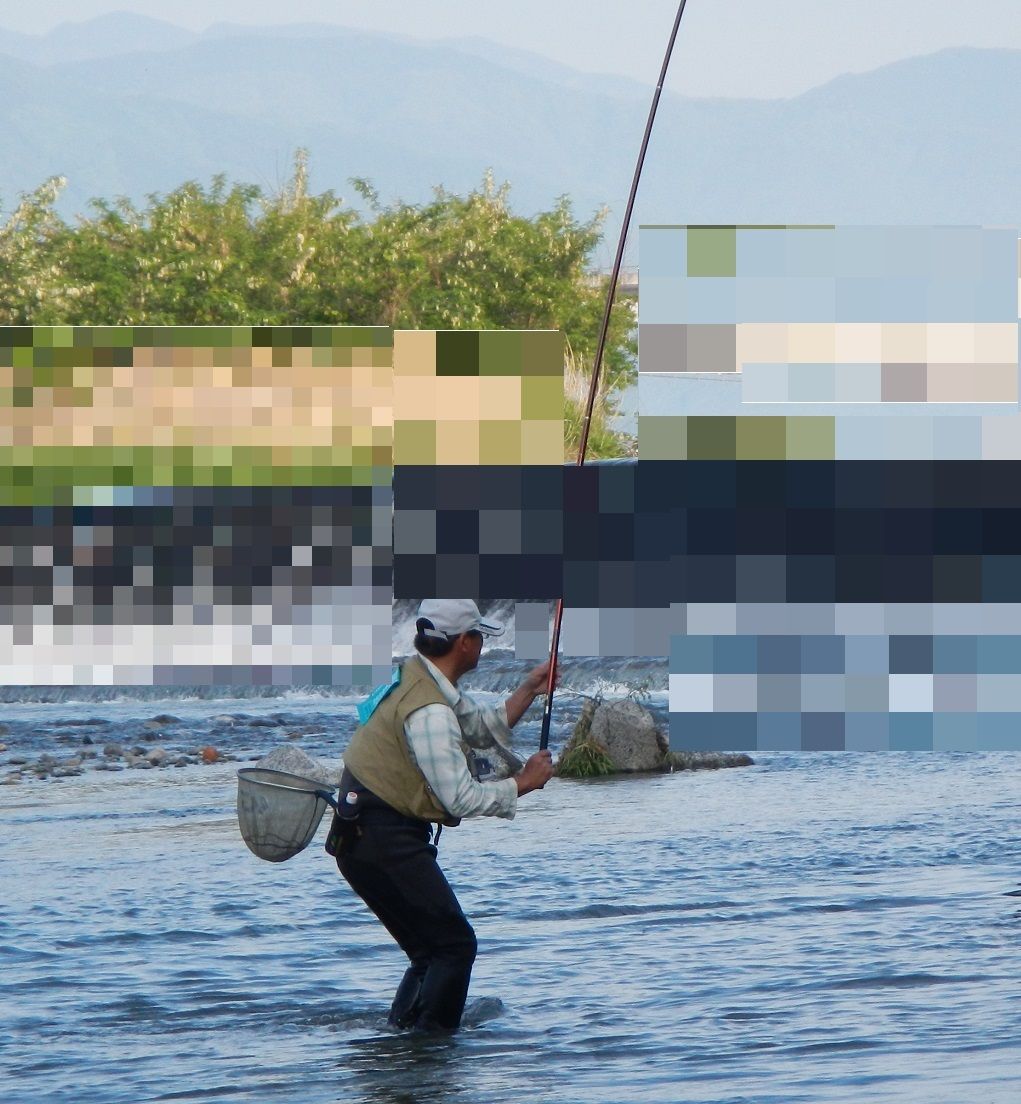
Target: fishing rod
{"type": "Point", "coordinates": [547, 712]}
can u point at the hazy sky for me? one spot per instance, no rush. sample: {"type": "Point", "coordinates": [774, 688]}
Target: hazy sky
{"type": "Point", "coordinates": [727, 47]}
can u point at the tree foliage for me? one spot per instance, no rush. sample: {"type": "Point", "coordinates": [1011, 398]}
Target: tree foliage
{"type": "Point", "coordinates": [233, 255]}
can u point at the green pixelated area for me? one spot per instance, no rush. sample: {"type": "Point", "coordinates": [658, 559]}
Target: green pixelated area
{"type": "Point", "coordinates": [721, 437]}
{"type": "Point", "coordinates": [478, 397]}
{"type": "Point", "coordinates": [206, 406]}
{"type": "Point", "coordinates": [84, 409]}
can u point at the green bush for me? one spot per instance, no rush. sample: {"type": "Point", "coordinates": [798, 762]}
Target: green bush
{"type": "Point", "coordinates": [231, 255]}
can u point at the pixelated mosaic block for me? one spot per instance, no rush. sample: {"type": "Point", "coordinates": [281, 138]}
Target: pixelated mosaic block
{"type": "Point", "coordinates": [528, 533]}
{"type": "Point", "coordinates": [824, 606]}
{"type": "Point", "coordinates": [862, 559]}
{"type": "Point", "coordinates": [121, 407]}
{"type": "Point", "coordinates": [195, 506]}
{"type": "Point", "coordinates": [853, 693]}
{"type": "Point", "coordinates": [845, 342]}
{"type": "Point", "coordinates": [213, 505]}
{"type": "Point", "coordinates": [478, 397]}
{"type": "Point", "coordinates": [818, 567]}
{"type": "Point", "coordinates": [634, 632]}
{"type": "Point", "coordinates": [651, 534]}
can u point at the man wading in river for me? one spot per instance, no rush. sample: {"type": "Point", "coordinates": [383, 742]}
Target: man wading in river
{"type": "Point", "coordinates": [406, 769]}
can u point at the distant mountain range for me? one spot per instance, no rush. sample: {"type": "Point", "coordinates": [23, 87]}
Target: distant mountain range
{"type": "Point", "coordinates": [126, 105]}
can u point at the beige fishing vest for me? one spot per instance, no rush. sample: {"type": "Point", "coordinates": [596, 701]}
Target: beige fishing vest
{"type": "Point", "coordinates": [379, 756]}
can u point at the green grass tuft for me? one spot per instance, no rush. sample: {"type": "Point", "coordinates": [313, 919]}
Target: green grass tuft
{"type": "Point", "coordinates": [582, 756]}
{"type": "Point", "coordinates": [585, 759]}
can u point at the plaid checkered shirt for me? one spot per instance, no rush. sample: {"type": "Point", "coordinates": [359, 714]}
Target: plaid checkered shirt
{"type": "Point", "coordinates": [434, 735]}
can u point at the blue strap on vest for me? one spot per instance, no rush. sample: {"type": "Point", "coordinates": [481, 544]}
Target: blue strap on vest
{"type": "Point", "coordinates": [368, 707]}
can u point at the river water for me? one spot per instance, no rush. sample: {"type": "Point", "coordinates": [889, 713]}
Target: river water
{"type": "Point", "coordinates": [816, 927]}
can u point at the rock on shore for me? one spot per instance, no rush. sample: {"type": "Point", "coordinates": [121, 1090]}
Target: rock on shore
{"type": "Point", "coordinates": [707, 760]}
{"type": "Point", "coordinates": [292, 760]}
{"type": "Point", "coordinates": [630, 735]}
{"type": "Point", "coordinates": [113, 756]}
{"type": "Point", "coordinates": [622, 737]}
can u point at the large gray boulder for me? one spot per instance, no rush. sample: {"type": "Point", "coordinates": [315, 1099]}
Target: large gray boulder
{"type": "Point", "coordinates": [630, 735]}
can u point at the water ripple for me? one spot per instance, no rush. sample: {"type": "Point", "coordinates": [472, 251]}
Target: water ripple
{"type": "Point", "coordinates": [819, 929]}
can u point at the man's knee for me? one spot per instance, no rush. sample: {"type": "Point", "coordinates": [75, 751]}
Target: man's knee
{"type": "Point", "coordinates": [471, 944]}
{"type": "Point", "coordinates": [458, 942]}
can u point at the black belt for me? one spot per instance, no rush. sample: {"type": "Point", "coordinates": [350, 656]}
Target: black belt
{"type": "Point", "coordinates": [377, 810]}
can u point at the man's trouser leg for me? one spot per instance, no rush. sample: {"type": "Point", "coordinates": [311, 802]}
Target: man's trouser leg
{"type": "Point", "coordinates": [392, 866]}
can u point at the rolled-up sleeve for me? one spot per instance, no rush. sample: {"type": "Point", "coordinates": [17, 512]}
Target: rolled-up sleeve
{"type": "Point", "coordinates": [434, 737]}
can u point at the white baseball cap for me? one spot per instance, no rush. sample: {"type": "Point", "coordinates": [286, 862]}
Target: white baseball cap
{"type": "Point", "coordinates": [451, 616]}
